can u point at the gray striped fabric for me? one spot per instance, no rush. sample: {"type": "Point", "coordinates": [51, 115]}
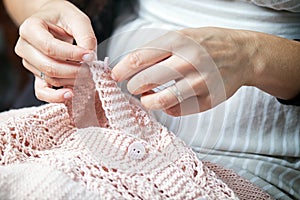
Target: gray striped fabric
{"type": "Point", "coordinates": [258, 137]}
{"type": "Point", "coordinates": [251, 133]}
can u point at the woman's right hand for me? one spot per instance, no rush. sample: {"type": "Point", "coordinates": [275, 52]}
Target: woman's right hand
{"type": "Point", "coordinates": [46, 48]}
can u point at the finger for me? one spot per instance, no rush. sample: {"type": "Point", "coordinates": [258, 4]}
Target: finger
{"type": "Point", "coordinates": [159, 100]}
{"type": "Point", "coordinates": [35, 31]}
{"type": "Point", "coordinates": [149, 54]}
{"type": "Point", "coordinates": [170, 96]}
{"type": "Point", "coordinates": [44, 92]}
{"type": "Point", "coordinates": [57, 82]}
{"type": "Point", "coordinates": [197, 103]}
{"type": "Point", "coordinates": [190, 106]}
{"type": "Point", "coordinates": [60, 33]}
{"type": "Point", "coordinates": [83, 34]}
{"type": "Point", "coordinates": [137, 61]}
{"type": "Point", "coordinates": [50, 67]}
{"type": "Point", "coordinates": [163, 99]}
{"type": "Point", "coordinates": [167, 70]}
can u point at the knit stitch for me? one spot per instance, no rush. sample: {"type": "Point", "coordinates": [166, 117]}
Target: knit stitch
{"type": "Point", "coordinates": [104, 146]}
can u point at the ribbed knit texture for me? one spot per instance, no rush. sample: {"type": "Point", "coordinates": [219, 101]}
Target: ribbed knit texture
{"type": "Point", "coordinates": [50, 153]}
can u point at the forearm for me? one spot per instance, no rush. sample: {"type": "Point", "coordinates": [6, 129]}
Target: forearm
{"type": "Point", "coordinates": [277, 66]}
{"type": "Point", "coordinates": [19, 10]}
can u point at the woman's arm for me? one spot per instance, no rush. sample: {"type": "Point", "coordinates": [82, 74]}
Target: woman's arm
{"type": "Point", "coordinates": [209, 65]}
{"type": "Point", "coordinates": [19, 10]}
{"type": "Point", "coordinates": [277, 69]}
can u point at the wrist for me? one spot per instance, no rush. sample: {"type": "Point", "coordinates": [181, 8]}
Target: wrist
{"type": "Point", "coordinates": [252, 62]}
{"type": "Point", "coordinates": [276, 66]}
{"type": "Point", "coordinates": [257, 60]}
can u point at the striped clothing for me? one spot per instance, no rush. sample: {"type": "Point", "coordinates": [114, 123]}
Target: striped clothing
{"type": "Point", "coordinates": [251, 133]}
{"type": "Point", "coordinates": [256, 136]}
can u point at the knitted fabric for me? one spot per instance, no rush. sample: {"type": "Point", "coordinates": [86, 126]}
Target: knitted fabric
{"type": "Point", "coordinates": [110, 149]}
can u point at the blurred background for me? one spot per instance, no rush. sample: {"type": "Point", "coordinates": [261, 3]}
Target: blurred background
{"type": "Point", "coordinates": [16, 86]}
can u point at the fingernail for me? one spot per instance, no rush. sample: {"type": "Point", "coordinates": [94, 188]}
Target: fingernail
{"type": "Point", "coordinates": [113, 76]}
{"type": "Point", "coordinates": [148, 103]}
{"type": "Point", "coordinates": [88, 57]}
{"type": "Point", "coordinates": [132, 88]}
{"type": "Point", "coordinates": [173, 112]}
{"type": "Point", "coordinates": [68, 95]}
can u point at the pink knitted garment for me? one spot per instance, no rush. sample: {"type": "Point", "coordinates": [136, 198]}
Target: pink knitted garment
{"type": "Point", "coordinates": [59, 151]}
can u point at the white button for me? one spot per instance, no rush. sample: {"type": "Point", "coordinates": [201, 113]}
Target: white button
{"type": "Point", "coordinates": [136, 150]}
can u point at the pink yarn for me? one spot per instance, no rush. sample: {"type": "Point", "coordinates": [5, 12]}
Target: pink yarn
{"type": "Point", "coordinates": [117, 152]}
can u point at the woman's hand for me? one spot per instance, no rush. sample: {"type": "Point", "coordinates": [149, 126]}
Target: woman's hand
{"type": "Point", "coordinates": [208, 65]}
{"type": "Point", "coordinates": [46, 47]}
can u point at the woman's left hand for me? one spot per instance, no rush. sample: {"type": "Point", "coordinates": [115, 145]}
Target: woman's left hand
{"type": "Point", "coordinates": [207, 64]}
